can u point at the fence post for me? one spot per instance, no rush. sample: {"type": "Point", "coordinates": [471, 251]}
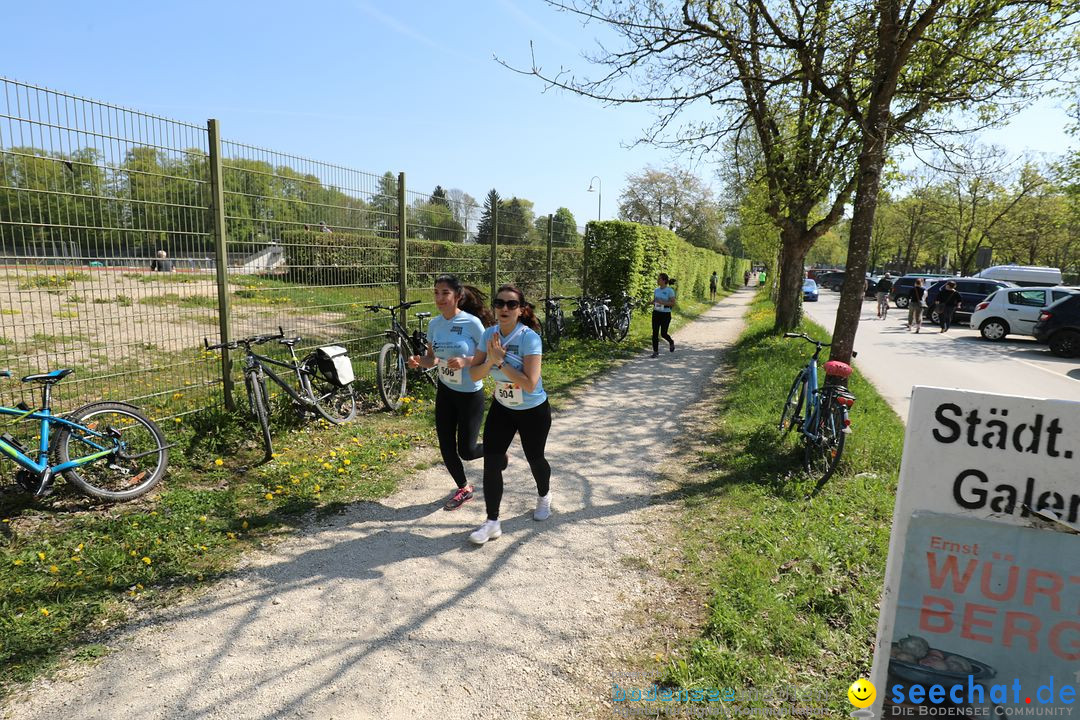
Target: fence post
{"type": "Point", "coordinates": [494, 250]}
{"type": "Point", "coordinates": [221, 255]}
{"type": "Point", "coordinates": [403, 265]}
{"type": "Point", "coordinates": [550, 241]}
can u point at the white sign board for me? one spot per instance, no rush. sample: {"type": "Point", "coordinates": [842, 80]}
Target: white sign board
{"type": "Point", "coordinates": [969, 591]}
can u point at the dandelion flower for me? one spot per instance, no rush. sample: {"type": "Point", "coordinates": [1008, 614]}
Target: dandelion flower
{"type": "Point", "coordinates": [269, 496]}
{"type": "Point", "coordinates": [45, 612]}
{"type": "Point", "coordinates": [347, 461]}
{"type": "Point", "coordinates": [41, 556]}
{"type": "Point", "coordinates": [146, 561]}
{"type": "Point", "coordinates": [317, 488]}
{"type": "Point", "coordinates": [18, 562]}
{"type": "Point", "coordinates": [219, 462]}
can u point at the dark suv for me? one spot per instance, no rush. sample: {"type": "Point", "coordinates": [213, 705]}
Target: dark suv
{"type": "Point", "coordinates": [972, 292]}
{"type": "Point", "coordinates": [833, 279]}
{"type": "Point", "coordinates": [1059, 327]}
{"type": "Point", "coordinates": [901, 289]}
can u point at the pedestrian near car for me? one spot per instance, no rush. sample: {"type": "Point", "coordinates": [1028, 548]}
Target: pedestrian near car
{"type": "Point", "coordinates": [882, 289]}
{"type": "Point", "coordinates": [512, 355]}
{"type": "Point", "coordinates": [947, 302]}
{"type": "Point", "coordinates": [713, 281]}
{"type": "Point", "coordinates": [454, 337]}
{"type": "Point", "coordinates": [663, 302]}
{"type": "Point", "coordinates": [915, 305]}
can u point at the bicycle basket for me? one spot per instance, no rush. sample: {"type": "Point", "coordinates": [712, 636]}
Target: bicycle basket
{"type": "Point", "coordinates": [335, 365]}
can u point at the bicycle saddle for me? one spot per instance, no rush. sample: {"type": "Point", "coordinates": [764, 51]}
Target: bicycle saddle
{"type": "Point", "coordinates": [423, 315]}
{"type": "Point", "coordinates": [290, 341]}
{"type": "Point", "coordinates": [49, 377]}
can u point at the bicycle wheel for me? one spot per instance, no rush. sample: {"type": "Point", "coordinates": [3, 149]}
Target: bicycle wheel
{"type": "Point", "coordinates": [333, 402]}
{"type": "Point", "coordinates": [138, 459]}
{"type": "Point", "coordinates": [822, 455]}
{"type": "Point", "coordinates": [620, 325]}
{"type": "Point", "coordinates": [256, 391]}
{"type": "Point", "coordinates": [789, 414]}
{"type": "Point", "coordinates": [391, 375]}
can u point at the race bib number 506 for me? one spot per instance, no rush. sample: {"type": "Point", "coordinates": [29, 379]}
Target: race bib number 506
{"type": "Point", "coordinates": [449, 376]}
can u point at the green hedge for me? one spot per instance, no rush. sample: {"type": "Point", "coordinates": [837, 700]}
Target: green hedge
{"type": "Point", "coordinates": [627, 257]}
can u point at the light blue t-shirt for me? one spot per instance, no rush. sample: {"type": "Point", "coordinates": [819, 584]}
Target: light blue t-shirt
{"type": "Point", "coordinates": [664, 293]}
{"type": "Point", "coordinates": [458, 337]}
{"type": "Point", "coordinates": [520, 342]}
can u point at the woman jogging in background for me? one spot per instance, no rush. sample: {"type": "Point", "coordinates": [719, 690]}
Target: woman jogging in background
{"type": "Point", "coordinates": [511, 353]}
{"type": "Point", "coordinates": [915, 305]}
{"type": "Point", "coordinates": [454, 336]}
{"type": "Point", "coordinates": [663, 301]}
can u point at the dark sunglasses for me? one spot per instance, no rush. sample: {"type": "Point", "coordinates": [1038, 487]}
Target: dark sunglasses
{"type": "Point", "coordinates": [508, 304]}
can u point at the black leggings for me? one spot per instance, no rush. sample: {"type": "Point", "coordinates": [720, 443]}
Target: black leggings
{"type": "Point", "coordinates": [661, 321]}
{"type": "Point", "coordinates": [533, 425]}
{"type": "Point", "coordinates": [457, 422]}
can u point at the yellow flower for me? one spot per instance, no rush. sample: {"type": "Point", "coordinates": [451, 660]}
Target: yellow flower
{"type": "Point", "coordinates": [317, 488]}
{"type": "Point", "coordinates": [146, 561]}
{"type": "Point", "coordinates": [327, 465]}
{"type": "Point", "coordinates": [333, 454]}
{"type": "Point", "coordinates": [231, 536]}
{"type": "Point", "coordinates": [132, 553]}
{"type": "Point", "coordinates": [244, 525]}
{"type": "Point", "coordinates": [45, 612]}
{"type": "Point", "coordinates": [202, 518]}
{"type": "Point", "coordinates": [18, 562]}
{"type": "Point", "coordinates": [41, 556]}
{"type": "Point", "coordinates": [347, 461]}
{"type": "Point", "coordinates": [79, 548]}
{"type": "Point", "coordinates": [53, 569]}
{"type": "Point", "coordinates": [269, 496]}
{"type": "Point", "coordinates": [219, 462]}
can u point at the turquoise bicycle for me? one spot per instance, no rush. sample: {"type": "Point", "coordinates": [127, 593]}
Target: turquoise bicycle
{"type": "Point", "coordinates": [108, 450]}
{"type": "Point", "coordinates": [819, 412]}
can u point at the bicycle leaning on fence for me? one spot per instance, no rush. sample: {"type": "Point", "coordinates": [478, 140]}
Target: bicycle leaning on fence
{"type": "Point", "coordinates": [554, 326]}
{"type": "Point", "coordinates": [819, 412]}
{"type": "Point", "coordinates": [324, 378]}
{"type": "Point", "coordinates": [108, 450]}
{"type": "Point", "coordinates": [392, 371]}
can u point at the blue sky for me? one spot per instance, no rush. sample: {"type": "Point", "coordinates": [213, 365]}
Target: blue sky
{"type": "Point", "coordinates": [372, 85]}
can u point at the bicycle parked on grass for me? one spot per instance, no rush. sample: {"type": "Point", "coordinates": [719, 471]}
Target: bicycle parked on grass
{"type": "Point", "coordinates": [324, 378]}
{"type": "Point", "coordinates": [392, 371]}
{"type": "Point", "coordinates": [108, 450]}
{"type": "Point", "coordinates": [819, 412]}
{"type": "Point", "coordinates": [554, 326]}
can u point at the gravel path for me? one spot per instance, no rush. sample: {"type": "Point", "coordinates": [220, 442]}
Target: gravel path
{"type": "Point", "coordinates": [388, 612]}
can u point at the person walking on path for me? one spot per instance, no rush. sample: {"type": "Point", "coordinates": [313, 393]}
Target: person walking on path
{"type": "Point", "coordinates": [712, 286]}
{"type": "Point", "coordinates": [947, 302]}
{"type": "Point", "coordinates": [883, 287]}
{"type": "Point", "coordinates": [915, 305]}
{"type": "Point", "coordinates": [512, 356]}
{"type": "Point", "coordinates": [454, 336]}
{"type": "Point", "coordinates": [663, 302]}
{"type": "Point", "coordinates": [746, 278]}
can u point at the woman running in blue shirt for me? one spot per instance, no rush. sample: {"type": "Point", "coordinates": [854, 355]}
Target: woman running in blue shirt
{"type": "Point", "coordinates": [511, 354]}
{"type": "Point", "coordinates": [663, 301]}
{"type": "Point", "coordinates": [454, 336]}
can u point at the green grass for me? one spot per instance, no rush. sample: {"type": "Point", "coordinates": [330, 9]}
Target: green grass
{"type": "Point", "coordinates": [790, 585]}
{"type": "Point", "coordinates": [69, 569]}
{"type": "Point", "coordinates": [62, 280]}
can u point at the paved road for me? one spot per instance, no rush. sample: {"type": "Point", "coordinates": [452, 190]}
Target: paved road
{"type": "Point", "coordinates": [895, 360]}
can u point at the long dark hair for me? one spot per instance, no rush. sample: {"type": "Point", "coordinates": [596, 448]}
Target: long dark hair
{"type": "Point", "coordinates": [528, 317]}
{"type": "Point", "coordinates": [470, 299]}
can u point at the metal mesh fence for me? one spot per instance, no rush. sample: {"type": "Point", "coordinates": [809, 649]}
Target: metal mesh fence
{"type": "Point", "coordinates": [108, 251]}
{"type": "Point", "coordinates": [89, 195]}
{"type": "Point", "coordinates": [311, 244]}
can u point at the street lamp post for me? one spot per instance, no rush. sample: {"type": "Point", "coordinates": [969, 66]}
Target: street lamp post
{"type": "Point", "coordinates": [599, 193]}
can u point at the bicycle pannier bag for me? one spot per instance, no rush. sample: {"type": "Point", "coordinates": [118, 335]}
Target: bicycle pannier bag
{"type": "Point", "coordinates": [335, 365]}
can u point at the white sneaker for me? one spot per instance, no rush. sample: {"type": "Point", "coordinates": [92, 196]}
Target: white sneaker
{"type": "Point", "coordinates": [543, 508]}
{"type": "Point", "coordinates": [488, 531]}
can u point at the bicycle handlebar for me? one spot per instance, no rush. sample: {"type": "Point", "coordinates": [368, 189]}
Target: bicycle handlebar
{"type": "Point", "coordinates": [245, 342]}
{"type": "Point", "coordinates": [400, 306]}
{"type": "Point", "coordinates": [809, 339]}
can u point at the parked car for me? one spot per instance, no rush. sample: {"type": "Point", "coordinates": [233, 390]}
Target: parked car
{"type": "Point", "coordinates": [809, 290]}
{"type": "Point", "coordinates": [1023, 275]}
{"type": "Point", "coordinates": [972, 292]}
{"type": "Point", "coordinates": [901, 290]}
{"type": "Point", "coordinates": [833, 280]}
{"type": "Point", "coordinates": [1059, 326]}
{"type": "Point", "coordinates": [1014, 311]}
{"type": "Point", "coordinates": [816, 273]}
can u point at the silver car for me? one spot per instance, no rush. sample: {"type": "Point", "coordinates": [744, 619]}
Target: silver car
{"type": "Point", "coordinates": [1014, 311]}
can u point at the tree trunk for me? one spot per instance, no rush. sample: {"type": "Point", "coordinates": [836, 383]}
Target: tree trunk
{"type": "Point", "coordinates": [793, 248]}
{"type": "Point", "coordinates": [871, 163]}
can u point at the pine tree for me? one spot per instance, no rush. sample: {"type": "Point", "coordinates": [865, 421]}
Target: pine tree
{"type": "Point", "coordinates": [438, 197]}
{"type": "Point", "coordinates": [486, 231]}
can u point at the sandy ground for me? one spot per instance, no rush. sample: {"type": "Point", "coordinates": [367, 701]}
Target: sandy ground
{"type": "Point", "coordinates": [388, 612]}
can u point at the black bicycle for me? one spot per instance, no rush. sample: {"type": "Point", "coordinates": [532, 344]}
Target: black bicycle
{"type": "Point", "coordinates": [392, 371]}
{"type": "Point", "coordinates": [621, 312]}
{"type": "Point", "coordinates": [554, 326]}
{"type": "Point", "coordinates": [324, 378]}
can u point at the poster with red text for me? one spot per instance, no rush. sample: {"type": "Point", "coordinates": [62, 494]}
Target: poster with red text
{"type": "Point", "coordinates": [978, 585]}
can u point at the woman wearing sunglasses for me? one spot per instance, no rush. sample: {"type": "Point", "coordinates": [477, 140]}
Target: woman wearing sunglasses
{"type": "Point", "coordinates": [511, 355]}
{"type": "Point", "coordinates": [454, 336]}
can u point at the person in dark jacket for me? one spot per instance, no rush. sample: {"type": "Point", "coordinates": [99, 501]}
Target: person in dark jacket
{"type": "Point", "coordinates": [915, 305]}
{"type": "Point", "coordinates": [947, 302]}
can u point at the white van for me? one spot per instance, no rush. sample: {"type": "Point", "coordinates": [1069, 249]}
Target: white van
{"type": "Point", "coordinates": [1024, 275]}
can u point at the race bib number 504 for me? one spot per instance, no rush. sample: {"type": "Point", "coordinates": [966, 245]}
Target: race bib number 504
{"type": "Point", "coordinates": [509, 394]}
